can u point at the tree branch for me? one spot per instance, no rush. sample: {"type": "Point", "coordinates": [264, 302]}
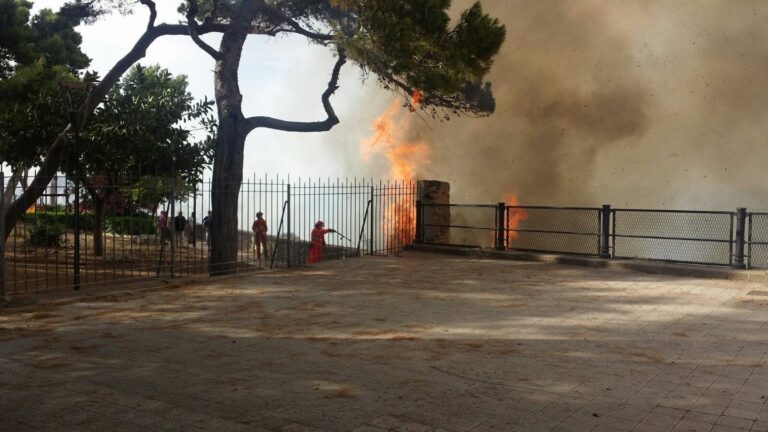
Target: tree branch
{"type": "Point", "coordinates": [281, 17]}
{"type": "Point", "coordinates": [10, 187]}
{"type": "Point", "coordinates": [152, 12]}
{"type": "Point", "coordinates": [320, 126]}
{"type": "Point", "coordinates": [192, 25]}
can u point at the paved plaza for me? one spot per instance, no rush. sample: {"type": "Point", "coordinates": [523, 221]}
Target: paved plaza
{"type": "Point", "coordinates": [417, 342]}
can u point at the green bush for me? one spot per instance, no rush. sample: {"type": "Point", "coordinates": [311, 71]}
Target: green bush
{"type": "Point", "coordinates": [87, 221]}
{"type": "Point", "coordinates": [46, 234]}
{"type": "Point", "coordinates": [121, 225]}
{"type": "Point", "coordinates": [130, 225]}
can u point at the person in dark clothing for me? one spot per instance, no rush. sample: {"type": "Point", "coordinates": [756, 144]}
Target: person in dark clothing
{"type": "Point", "coordinates": [259, 229]}
{"type": "Point", "coordinates": [179, 225]}
{"type": "Point", "coordinates": [207, 226]}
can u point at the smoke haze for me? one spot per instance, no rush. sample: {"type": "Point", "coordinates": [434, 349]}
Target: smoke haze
{"type": "Point", "coordinates": [643, 104]}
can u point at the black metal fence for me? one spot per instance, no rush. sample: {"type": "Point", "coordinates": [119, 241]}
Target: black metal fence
{"type": "Point", "coordinates": [700, 237]}
{"type": "Point", "coordinates": [574, 230]}
{"type": "Point", "coordinates": [757, 240]}
{"type": "Point", "coordinates": [115, 233]}
{"type": "Point", "coordinates": [738, 239]}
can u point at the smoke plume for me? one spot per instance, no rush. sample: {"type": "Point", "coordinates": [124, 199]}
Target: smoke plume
{"type": "Point", "coordinates": [645, 103]}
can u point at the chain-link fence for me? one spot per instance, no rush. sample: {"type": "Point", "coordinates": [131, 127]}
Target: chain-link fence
{"type": "Point", "coordinates": [700, 237]}
{"type": "Point", "coordinates": [574, 230]}
{"type": "Point", "coordinates": [757, 242]}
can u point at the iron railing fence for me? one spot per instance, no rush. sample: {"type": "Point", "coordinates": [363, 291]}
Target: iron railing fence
{"type": "Point", "coordinates": [119, 237]}
{"type": "Point", "coordinates": [684, 236]}
{"type": "Point", "coordinates": [757, 240]}
{"type": "Point", "coordinates": [698, 237]}
{"type": "Point", "coordinates": [392, 217]}
{"type": "Point", "coordinates": [574, 230]}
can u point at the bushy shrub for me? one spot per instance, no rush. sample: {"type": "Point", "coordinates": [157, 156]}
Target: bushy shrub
{"type": "Point", "coordinates": [130, 225]}
{"type": "Point", "coordinates": [46, 234]}
{"type": "Point", "coordinates": [121, 225]}
{"type": "Point", "coordinates": [87, 221]}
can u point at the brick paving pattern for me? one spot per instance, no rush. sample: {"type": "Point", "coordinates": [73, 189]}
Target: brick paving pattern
{"type": "Point", "coordinates": [413, 343]}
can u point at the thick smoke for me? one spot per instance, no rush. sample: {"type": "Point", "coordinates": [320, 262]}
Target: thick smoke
{"type": "Point", "coordinates": [648, 104]}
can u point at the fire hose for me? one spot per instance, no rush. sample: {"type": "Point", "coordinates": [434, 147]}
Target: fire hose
{"type": "Point", "coordinates": [343, 236]}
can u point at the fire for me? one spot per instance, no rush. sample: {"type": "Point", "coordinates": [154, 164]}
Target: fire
{"type": "Point", "coordinates": [416, 97]}
{"type": "Point", "coordinates": [405, 157]}
{"type": "Point", "coordinates": [514, 216]}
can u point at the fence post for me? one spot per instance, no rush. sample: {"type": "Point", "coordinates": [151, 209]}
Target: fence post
{"type": "Point", "coordinates": [172, 222]}
{"type": "Point", "coordinates": [193, 216]}
{"type": "Point", "coordinates": [2, 232]}
{"type": "Point", "coordinates": [373, 217]}
{"type": "Point", "coordinates": [605, 232]}
{"type": "Point", "coordinates": [501, 227]}
{"type": "Point", "coordinates": [419, 223]}
{"type": "Point", "coordinates": [76, 258]}
{"type": "Point", "coordinates": [288, 245]}
{"type": "Point", "coordinates": [741, 219]}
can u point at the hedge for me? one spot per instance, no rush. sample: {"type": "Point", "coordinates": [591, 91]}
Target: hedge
{"type": "Point", "coordinates": [121, 225]}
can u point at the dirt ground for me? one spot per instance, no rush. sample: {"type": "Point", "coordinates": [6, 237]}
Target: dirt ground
{"type": "Point", "coordinates": [417, 342]}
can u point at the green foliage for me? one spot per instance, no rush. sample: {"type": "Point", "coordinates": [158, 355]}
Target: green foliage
{"type": "Point", "coordinates": [46, 234]}
{"type": "Point", "coordinates": [145, 125]}
{"type": "Point", "coordinates": [141, 223]}
{"type": "Point", "coordinates": [36, 54]}
{"type": "Point", "coordinates": [14, 32]}
{"type": "Point", "coordinates": [48, 37]}
{"type": "Point", "coordinates": [141, 141]}
{"type": "Point", "coordinates": [411, 46]}
{"type": "Point", "coordinates": [131, 225]}
{"type": "Point", "coordinates": [66, 220]}
{"type": "Point", "coordinates": [150, 191]}
{"type": "Point", "coordinates": [33, 112]}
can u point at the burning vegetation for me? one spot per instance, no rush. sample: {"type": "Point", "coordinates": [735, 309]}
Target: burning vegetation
{"type": "Point", "coordinates": [404, 156]}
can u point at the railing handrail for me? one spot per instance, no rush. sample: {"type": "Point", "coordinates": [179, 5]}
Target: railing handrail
{"type": "Point", "coordinates": [616, 210]}
{"type": "Point", "coordinates": [460, 205]}
{"type": "Point", "coordinates": [552, 208]}
{"type": "Point", "coordinates": [696, 239]}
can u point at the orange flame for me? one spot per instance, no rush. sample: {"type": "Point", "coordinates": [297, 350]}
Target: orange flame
{"type": "Point", "coordinates": [416, 97]}
{"type": "Point", "coordinates": [514, 216]}
{"type": "Point", "coordinates": [404, 157]}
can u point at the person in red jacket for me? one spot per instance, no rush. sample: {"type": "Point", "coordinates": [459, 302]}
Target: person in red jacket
{"type": "Point", "coordinates": [318, 242]}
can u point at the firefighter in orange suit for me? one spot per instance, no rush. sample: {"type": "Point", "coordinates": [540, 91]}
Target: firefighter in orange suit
{"type": "Point", "coordinates": [318, 242]}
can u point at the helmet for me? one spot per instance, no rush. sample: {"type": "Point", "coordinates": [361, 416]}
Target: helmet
{"type": "Point", "coordinates": [319, 223]}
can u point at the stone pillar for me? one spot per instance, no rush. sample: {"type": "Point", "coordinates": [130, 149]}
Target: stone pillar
{"type": "Point", "coordinates": [436, 192]}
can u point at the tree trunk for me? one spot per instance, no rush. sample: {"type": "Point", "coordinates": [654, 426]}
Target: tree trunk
{"type": "Point", "coordinates": [36, 189]}
{"type": "Point", "coordinates": [227, 176]}
{"type": "Point", "coordinates": [228, 155]}
{"type": "Point", "coordinates": [99, 209]}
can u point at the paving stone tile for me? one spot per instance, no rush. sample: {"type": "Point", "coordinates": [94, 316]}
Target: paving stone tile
{"type": "Point", "coordinates": [738, 423]}
{"type": "Point", "coordinates": [354, 347]}
{"type": "Point", "coordinates": [692, 426]}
